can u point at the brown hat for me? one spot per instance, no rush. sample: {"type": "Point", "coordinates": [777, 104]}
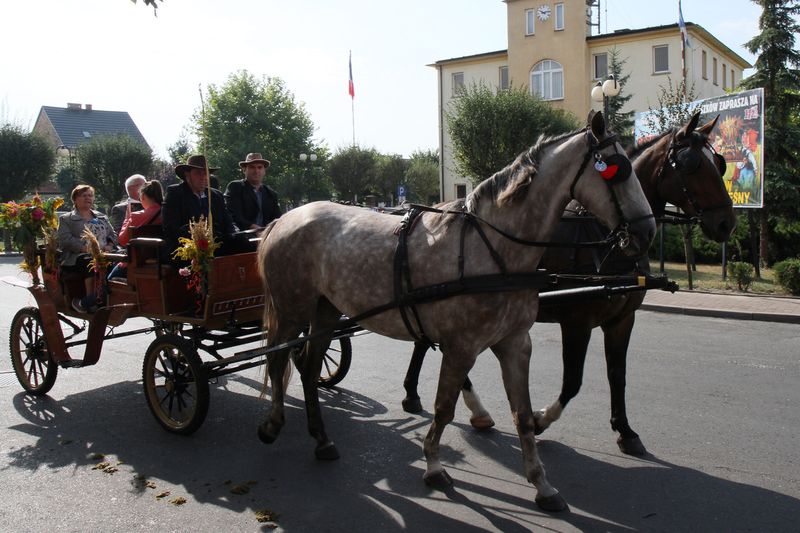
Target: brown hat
{"type": "Point", "coordinates": [253, 158]}
{"type": "Point", "coordinates": [194, 161]}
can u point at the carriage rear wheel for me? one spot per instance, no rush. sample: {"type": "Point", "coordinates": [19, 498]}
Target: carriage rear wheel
{"type": "Point", "coordinates": [32, 361]}
{"type": "Point", "coordinates": [335, 363]}
{"type": "Point", "coordinates": [175, 384]}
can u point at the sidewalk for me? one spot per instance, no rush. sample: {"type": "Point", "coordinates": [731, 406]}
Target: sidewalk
{"type": "Point", "coordinates": [722, 305]}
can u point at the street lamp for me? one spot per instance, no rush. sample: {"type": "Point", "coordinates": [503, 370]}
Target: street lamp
{"type": "Point", "coordinates": [65, 151]}
{"type": "Point", "coordinates": [309, 159]}
{"type": "Point", "coordinates": [605, 90]}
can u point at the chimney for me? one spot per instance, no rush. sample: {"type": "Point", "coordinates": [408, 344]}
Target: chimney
{"type": "Point", "coordinates": [87, 107]}
{"type": "Point", "coordinates": [73, 106]}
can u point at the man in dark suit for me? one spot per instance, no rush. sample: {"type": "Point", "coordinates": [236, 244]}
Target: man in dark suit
{"type": "Point", "coordinates": [188, 200]}
{"type": "Point", "coordinates": [118, 213]}
{"type": "Point", "coordinates": [250, 202]}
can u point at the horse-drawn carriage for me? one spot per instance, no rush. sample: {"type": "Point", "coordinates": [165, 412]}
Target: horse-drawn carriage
{"type": "Point", "coordinates": [193, 342]}
{"type": "Point", "coordinates": [464, 279]}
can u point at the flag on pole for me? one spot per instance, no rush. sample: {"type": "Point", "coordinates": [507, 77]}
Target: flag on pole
{"type": "Point", "coordinates": [682, 26]}
{"type": "Point", "coordinates": [350, 87]}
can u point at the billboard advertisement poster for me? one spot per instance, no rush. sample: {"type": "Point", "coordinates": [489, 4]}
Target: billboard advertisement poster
{"type": "Point", "coordinates": [738, 137]}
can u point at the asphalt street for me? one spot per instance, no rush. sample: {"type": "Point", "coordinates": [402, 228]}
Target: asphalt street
{"type": "Point", "coordinates": [714, 400]}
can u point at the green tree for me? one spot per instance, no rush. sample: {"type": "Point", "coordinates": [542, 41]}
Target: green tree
{"type": "Point", "coordinates": [107, 161]}
{"type": "Point", "coordinates": [26, 161]}
{"type": "Point", "coordinates": [248, 114]}
{"type": "Point", "coordinates": [353, 171]}
{"type": "Point", "coordinates": [488, 130]}
{"type": "Point", "coordinates": [620, 122]}
{"type": "Point", "coordinates": [389, 174]}
{"type": "Point", "coordinates": [777, 72]}
{"type": "Point", "coordinates": [422, 177]}
{"type": "Point", "coordinates": [673, 109]}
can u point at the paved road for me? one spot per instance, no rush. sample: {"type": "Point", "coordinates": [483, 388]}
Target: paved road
{"type": "Point", "coordinates": [715, 401]}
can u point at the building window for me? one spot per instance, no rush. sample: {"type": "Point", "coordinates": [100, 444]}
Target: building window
{"type": "Point", "coordinates": [705, 65]}
{"type": "Point", "coordinates": [714, 70]}
{"type": "Point", "coordinates": [547, 80]}
{"type": "Point", "coordinates": [461, 191]}
{"type": "Point", "coordinates": [660, 59]}
{"type": "Point", "coordinates": [600, 66]}
{"type": "Point", "coordinates": [458, 83]}
{"type": "Point", "coordinates": [733, 83]}
{"type": "Point", "coordinates": [559, 17]}
{"type": "Point", "coordinates": [724, 76]}
{"type": "Point", "coordinates": [503, 78]}
{"type": "Point", "coordinates": [529, 16]}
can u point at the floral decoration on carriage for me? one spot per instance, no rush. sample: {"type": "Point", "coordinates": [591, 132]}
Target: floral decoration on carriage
{"type": "Point", "coordinates": [198, 249]}
{"type": "Point", "coordinates": [28, 222]}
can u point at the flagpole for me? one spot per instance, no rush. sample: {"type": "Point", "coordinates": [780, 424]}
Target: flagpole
{"type": "Point", "coordinates": [353, 115]}
{"type": "Point", "coordinates": [352, 92]}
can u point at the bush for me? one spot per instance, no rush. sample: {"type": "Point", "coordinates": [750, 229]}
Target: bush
{"type": "Point", "coordinates": [787, 274]}
{"type": "Point", "coordinates": [741, 273]}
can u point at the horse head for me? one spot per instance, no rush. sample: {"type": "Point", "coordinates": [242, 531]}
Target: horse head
{"type": "Point", "coordinates": [691, 179]}
{"type": "Point", "coordinates": [603, 185]}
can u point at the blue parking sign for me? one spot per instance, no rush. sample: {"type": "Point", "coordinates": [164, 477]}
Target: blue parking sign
{"type": "Point", "coordinates": [401, 190]}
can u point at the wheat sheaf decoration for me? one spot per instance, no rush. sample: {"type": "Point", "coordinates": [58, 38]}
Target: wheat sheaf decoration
{"type": "Point", "coordinates": [99, 261]}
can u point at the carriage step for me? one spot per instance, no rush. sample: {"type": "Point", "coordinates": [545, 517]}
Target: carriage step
{"type": "Point", "coordinates": [72, 363]}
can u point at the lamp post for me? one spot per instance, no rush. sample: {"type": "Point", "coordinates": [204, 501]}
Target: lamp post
{"type": "Point", "coordinates": [65, 151]}
{"type": "Point", "coordinates": [602, 92]}
{"type": "Point", "coordinates": [307, 160]}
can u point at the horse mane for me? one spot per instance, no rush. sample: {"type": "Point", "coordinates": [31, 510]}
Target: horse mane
{"type": "Point", "coordinates": [510, 183]}
{"type": "Point", "coordinates": [637, 151]}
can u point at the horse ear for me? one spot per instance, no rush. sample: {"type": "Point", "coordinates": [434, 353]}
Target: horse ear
{"type": "Point", "coordinates": [706, 129]}
{"type": "Point", "coordinates": [591, 115]}
{"type": "Point", "coordinates": [598, 124]}
{"type": "Point", "coordinates": [689, 128]}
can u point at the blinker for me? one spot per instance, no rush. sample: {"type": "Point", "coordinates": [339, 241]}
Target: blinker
{"type": "Point", "coordinates": [616, 168]}
{"type": "Point", "coordinates": [721, 164]}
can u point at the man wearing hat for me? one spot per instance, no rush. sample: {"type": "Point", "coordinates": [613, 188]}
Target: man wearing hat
{"type": "Point", "coordinates": [188, 200]}
{"type": "Point", "coordinates": [250, 202]}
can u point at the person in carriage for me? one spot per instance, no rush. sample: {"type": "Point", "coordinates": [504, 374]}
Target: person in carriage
{"type": "Point", "coordinates": [250, 202]}
{"type": "Point", "coordinates": [119, 212]}
{"type": "Point", "coordinates": [151, 196]}
{"type": "Point", "coordinates": [188, 200]}
{"type": "Point", "coordinates": [75, 256]}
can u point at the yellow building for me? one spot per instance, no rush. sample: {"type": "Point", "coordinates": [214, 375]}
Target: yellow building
{"type": "Point", "coordinates": [552, 52]}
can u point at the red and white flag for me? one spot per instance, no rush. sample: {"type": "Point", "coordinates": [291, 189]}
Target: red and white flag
{"type": "Point", "coordinates": [351, 89]}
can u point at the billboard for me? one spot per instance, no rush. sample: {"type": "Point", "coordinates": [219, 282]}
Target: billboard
{"type": "Point", "coordinates": [738, 137]}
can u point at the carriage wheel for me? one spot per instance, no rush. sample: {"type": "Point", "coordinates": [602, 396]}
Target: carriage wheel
{"type": "Point", "coordinates": [336, 363]}
{"type": "Point", "coordinates": [175, 385]}
{"type": "Point", "coordinates": [32, 361]}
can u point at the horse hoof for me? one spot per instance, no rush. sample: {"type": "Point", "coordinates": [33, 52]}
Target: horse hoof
{"type": "Point", "coordinates": [440, 480]}
{"type": "Point", "coordinates": [412, 405]}
{"type": "Point", "coordinates": [326, 452]}
{"type": "Point", "coordinates": [482, 422]}
{"type": "Point", "coordinates": [267, 434]}
{"type": "Point", "coordinates": [631, 446]}
{"type": "Point", "coordinates": [552, 504]}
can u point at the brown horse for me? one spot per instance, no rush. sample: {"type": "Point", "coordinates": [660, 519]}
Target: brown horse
{"type": "Point", "coordinates": [678, 167]}
{"type": "Point", "coordinates": [324, 260]}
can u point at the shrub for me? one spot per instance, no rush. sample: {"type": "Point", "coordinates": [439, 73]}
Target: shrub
{"type": "Point", "coordinates": [787, 274]}
{"type": "Point", "coordinates": [741, 273]}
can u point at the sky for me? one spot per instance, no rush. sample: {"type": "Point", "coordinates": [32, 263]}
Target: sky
{"type": "Point", "coordinates": [118, 56]}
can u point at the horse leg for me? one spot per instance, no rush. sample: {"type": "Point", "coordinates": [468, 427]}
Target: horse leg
{"type": "Point", "coordinates": [327, 316]}
{"type": "Point", "coordinates": [617, 336]}
{"type": "Point", "coordinates": [514, 354]}
{"type": "Point", "coordinates": [480, 419]}
{"type": "Point", "coordinates": [277, 365]}
{"type": "Point", "coordinates": [453, 371]}
{"type": "Point", "coordinates": [411, 403]}
{"type": "Point", "coordinates": [574, 343]}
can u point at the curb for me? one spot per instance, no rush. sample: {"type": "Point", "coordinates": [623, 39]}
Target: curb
{"type": "Point", "coordinates": [720, 313]}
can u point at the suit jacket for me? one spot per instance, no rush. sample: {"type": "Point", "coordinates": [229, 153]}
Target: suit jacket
{"type": "Point", "coordinates": [70, 234]}
{"type": "Point", "coordinates": [240, 199]}
{"type": "Point", "coordinates": [119, 211]}
{"type": "Point", "coordinates": [181, 205]}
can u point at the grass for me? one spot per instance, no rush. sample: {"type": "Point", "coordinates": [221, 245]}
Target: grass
{"type": "Point", "coordinates": [709, 278]}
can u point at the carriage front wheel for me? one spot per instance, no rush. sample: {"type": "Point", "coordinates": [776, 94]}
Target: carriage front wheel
{"type": "Point", "coordinates": [32, 361]}
{"type": "Point", "coordinates": [175, 385]}
{"type": "Point", "coordinates": [335, 363]}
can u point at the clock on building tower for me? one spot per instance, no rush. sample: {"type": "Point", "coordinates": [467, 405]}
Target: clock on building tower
{"type": "Point", "coordinates": [543, 12]}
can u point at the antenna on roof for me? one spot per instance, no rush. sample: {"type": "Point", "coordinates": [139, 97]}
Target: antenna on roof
{"type": "Point", "coordinates": [590, 23]}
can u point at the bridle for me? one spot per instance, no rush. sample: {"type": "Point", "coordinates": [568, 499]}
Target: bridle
{"type": "Point", "coordinates": [683, 159]}
{"type": "Point", "coordinates": [614, 169]}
